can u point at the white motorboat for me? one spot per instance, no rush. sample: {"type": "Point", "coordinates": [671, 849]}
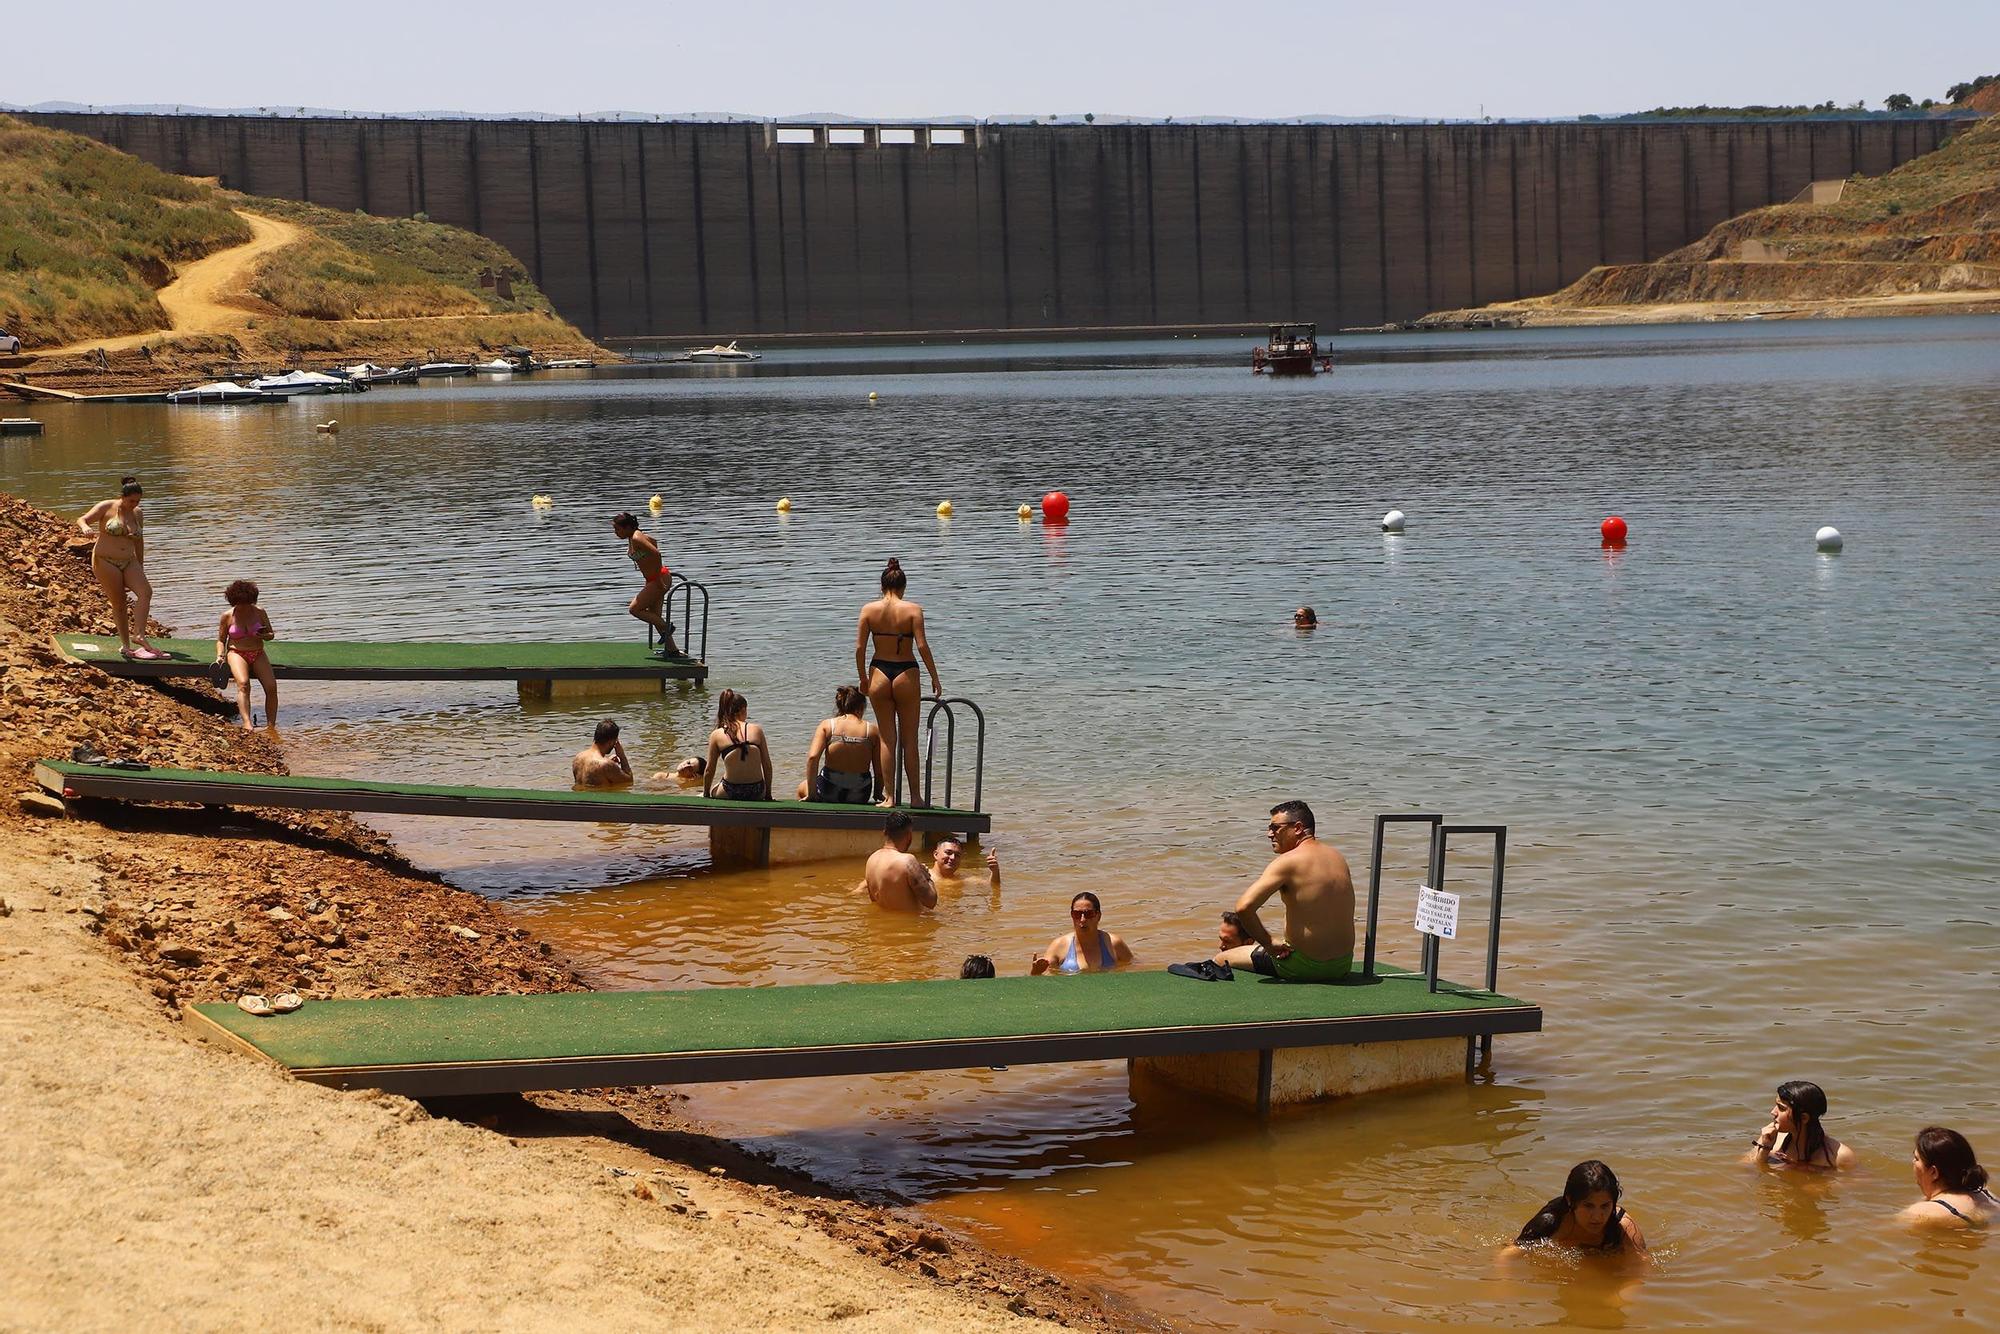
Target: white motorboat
{"type": "Point", "coordinates": [221, 392]}
{"type": "Point", "coordinates": [720, 352]}
{"type": "Point", "coordinates": [567, 364]}
{"type": "Point", "coordinates": [495, 367]}
{"type": "Point", "coordinates": [431, 370]}
{"type": "Point", "coordinates": [292, 384]}
{"type": "Point", "coordinates": [367, 372]}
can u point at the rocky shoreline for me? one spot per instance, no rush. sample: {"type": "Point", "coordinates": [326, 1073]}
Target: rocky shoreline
{"type": "Point", "coordinates": [113, 920]}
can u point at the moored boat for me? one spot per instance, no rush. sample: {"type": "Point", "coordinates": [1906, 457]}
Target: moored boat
{"type": "Point", "coordinates": [497, 366]}
{"type": "Point", "coordinates": [1292, 349]}
{"type": "Point", "coordinates": [221, 393]}
{"type": "Point", "coordinates": [434, 370]}
{"type": "Point", "coordinates": [567, 364]}
{"type": "Point", "coordinates": [723, 353]}
{"type": "Point", "coordinates": [293, 384]}
{"type": "Point", "coordinates": [368, 373]}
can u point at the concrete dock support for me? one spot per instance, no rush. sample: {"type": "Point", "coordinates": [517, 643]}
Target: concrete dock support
{"type": "Point", "coordinates": [736, 847]}
{"type": "Point", "coordinates": [1294, 1075]}
{"type": "Point", "coordinates": [582, 688]}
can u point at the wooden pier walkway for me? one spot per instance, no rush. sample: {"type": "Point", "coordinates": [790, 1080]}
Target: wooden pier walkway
{"type": "Point", "coordinates": [426, 1047]}
{"type": "Point", "coordinates": [337, 660]}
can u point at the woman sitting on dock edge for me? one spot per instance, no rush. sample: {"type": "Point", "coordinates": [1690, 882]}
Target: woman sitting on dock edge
{"type": "Point", "coordinates": [739, 757]}
{"type": "Point", "coordinates": [844, 763]}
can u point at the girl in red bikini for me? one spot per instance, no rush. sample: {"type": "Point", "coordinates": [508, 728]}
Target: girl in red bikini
{"type": "Point", "coordinates": [239, 641]}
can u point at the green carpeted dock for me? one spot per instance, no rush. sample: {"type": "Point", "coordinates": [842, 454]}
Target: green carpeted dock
{"type": "Point", "coordinates": [336, 660]}
{"type": "Point", "coordinates": [511, 1044]}
{"type": "Point", "coordinates": [598, 806]}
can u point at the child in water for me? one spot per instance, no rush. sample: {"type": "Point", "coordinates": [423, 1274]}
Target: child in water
{"type": "Point", "coordinates": [239, 642]}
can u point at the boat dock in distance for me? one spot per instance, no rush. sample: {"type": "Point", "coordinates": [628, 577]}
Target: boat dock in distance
{"type": "Point", "coordinates": [335, 660]}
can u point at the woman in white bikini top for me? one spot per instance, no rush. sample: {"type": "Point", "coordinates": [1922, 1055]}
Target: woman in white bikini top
{"type": "Point", "coordinates": [118, 559]}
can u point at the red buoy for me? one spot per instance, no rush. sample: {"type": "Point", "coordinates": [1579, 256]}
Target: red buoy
{"type": "Point", "coordinates": [1613, 531]}
{"type": "Point", "coordinates": [1055, 507]}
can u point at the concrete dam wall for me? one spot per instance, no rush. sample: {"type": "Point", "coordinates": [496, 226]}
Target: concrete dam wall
{"type": "Point", "coordinates": [725, 229]}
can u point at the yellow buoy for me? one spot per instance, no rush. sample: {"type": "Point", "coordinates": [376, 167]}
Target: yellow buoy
{"type": "Point", "coordinates": [542, 502]}
{"type": "Point", "coordinates": [944, 509]}
{"type": "Point", "coordinates": [872, 396]}
{"type": "Point", "coordinates": [1024, 514]}
{"type": "Point", "coordinates": [656, 504]}
{"type": "Point", "coordinates": [785, 505]}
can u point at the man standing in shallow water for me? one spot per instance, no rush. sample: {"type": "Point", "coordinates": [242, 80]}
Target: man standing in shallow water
{"type": "Point", "coordinates": [1318, 893]}
{"type": "Point", "coordinates": [894, 879]}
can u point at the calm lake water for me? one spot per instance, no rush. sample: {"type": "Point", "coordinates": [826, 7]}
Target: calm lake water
{"type": "Point", "coordinates": [1751, 790]}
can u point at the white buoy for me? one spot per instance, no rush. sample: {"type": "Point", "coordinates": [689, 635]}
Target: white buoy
{"type": "Point", "coordinates": [1392, 522]}
{"type": "Point", "coordinates": [1828, 539]}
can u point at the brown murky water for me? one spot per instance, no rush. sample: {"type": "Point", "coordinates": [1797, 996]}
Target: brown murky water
{"type": "Point", "coordinates": [1751, 790]}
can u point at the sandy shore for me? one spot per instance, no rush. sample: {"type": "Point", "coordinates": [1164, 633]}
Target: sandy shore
{"type": "Point", "coordinates": [1539, 313]}
{"type": "Point", "coordinates": [153, 1178]}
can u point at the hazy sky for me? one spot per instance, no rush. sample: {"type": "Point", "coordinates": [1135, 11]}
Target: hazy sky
{"type": "Point", "coordinates": [1444, 58]}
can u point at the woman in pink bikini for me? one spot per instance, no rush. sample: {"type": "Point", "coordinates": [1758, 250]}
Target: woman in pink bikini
{"type": "Point", "coordinates": [239, 641]}
{"type": "Point", "coordinates": [119, 561]}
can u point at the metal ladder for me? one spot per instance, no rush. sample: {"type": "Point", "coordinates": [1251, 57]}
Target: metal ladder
{"type": "Point", "coordinates": [948, 706]}
{"type": "Point", "coordinates": [685, 589]}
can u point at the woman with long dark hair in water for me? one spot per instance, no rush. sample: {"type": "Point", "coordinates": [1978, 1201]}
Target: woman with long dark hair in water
{"type": "Point", "coordinates": [1953, 1183]}
{"type": "Point", "coordinates": [119, 561]}
{"type": "Point", "coordinates": [1794, 1137]}
{"type": "Point", "coordinates": [896, 625]}
{"type": "Point", "coordinates": [1585, 1218]}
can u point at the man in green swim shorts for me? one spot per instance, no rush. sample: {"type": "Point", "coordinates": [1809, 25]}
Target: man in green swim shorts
{"type": "Point", "coordinates": [1318, 893]}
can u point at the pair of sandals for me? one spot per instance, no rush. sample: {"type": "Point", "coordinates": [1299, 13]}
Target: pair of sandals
{"type": "Point", "coordinates": [143, 653]}
{"type": "Point", "coordinates": [283, 1003]}
{"type": "Point", "coordinates": [1203, 970]}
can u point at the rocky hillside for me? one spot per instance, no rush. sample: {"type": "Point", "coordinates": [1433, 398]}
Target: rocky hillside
{"type": "Point", "coordinates": [1924, 237]}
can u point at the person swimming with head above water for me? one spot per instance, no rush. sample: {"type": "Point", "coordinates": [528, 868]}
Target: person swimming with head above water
{"type": "Point", "coordinates": [893, 878]}
{"type": "Point", "coordinates": [651, 603]}
{"type": "Point", "coordinates": [602, 763]}
{"type": "Point", "coordinates": [118, 559]}
{"type": "Point", "coordinates": [1585, 1219]}
{"type": "Point", "coordinates": [895, 625]}
{"type": "Point", "coordinates": [1794, 1136]}
{"type": "Point", "coordinates": [1086, 949]}
{"type": "Point", "coordinates": [1305, 618]}
{"type": "Point", "coordinates": [948, 853]}
{"type": "Point", "coordinates": [1318, 893]}
{"type": "Point", "coordinates": [1953, 1183]}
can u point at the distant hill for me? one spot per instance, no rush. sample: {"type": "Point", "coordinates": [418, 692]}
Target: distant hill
{"type": "Point", "coordinates": [90, 235]}
{"type": "Point", "coordinates": [1924, 237]}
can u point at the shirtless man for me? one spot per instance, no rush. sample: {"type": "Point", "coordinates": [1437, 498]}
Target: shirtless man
{"type": "Point", "coordinates": [944, 862]}
{"type": "Point", "coordinates": [650, 605]}
{"type": "Point", "coordinates": [896, 880]}
{"type": "Point", "coordinates": [602, 763]}
{"type": "Point", "coordinates": [1318, 893]}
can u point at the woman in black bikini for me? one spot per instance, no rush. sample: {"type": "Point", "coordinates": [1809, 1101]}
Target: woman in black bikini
{"type": "Point", "coordinates": [896, 625]}
{"type": "Point", "coordinates": [1795, 1137]}
{"type": "Point", "coordinates": [739, 758]}
{"type": "Point", "coordinates": [119, 561]}
{"type": "Point", "coordinates": [1585, 1218]}
{"type": "Point", "coordinates": [1953, 1183]}
{"type": "Point", "coordinates": [845, 761]}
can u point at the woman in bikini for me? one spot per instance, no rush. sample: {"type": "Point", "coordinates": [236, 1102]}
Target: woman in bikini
{"type": "Point", "coordinates": [1953, 1183]}
{"type": "Point", "coordinates": [896, 625]}
{"type": "Point", "coordinates": [119, 560]}
{"type": "Point", "coordinates": [239, 641]}
{"type": "Point", "coordinates": [1584, 1219]}
{"type": "Point", "coordinates": [739, 759]}
{"type": "Point", "coordinates": [650, 605]}
{"type": "Point", "coordinates": [1794, 1136]}
{"type": "Point", "coordinates": [1087, 949]}
{"type": "Point", "coordinates": [845, 761]}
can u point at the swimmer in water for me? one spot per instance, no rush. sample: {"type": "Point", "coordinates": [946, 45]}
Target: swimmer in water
{"type": "Point", "coordinates": [1585, 1219]}
{"type": "Point", "coordinates": [896, 625]}
{"type": "Point", "coordinates": [945, 858]}
{"type": "Point", "coordinates": [1794, 1136]}
{"type": "Point", "coordinates": [1087, 949]}
{"type": "Point", "coordinates": [1953, 1183]}
{"type": "Point", "coordinates": [602, 763]}
{"type": "Point", "coordinates": [894, 879]}
{"type": "Point", "coordinates": [691, 772]}
{"type": "Point", "coordinates": [1305, 618]}
{"type": "Point", "coordinates": [651, 602]}
{"type": "Point", "coordinates": [118, 559]}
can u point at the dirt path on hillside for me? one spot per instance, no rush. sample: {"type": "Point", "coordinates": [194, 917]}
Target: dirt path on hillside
{"type": "Point", "coordinates": [194, 299]}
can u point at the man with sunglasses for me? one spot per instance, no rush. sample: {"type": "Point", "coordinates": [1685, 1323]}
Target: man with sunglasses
{"type": "Point", "coordinates": [1318, 892]}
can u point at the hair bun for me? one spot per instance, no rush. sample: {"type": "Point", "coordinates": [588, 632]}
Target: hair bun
{"type": "Point", "coordinates": [893, 564]}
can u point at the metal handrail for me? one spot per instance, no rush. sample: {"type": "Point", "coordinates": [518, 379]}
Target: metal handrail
{"type": "Point", "coordinates": [1440, 836]}
{"type": "Point", "coordinates": [947, 706]}
{"type": "Point", "coordinates": [1375, 878]}
{"type": "Point", "coordinates": [686, 588]}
